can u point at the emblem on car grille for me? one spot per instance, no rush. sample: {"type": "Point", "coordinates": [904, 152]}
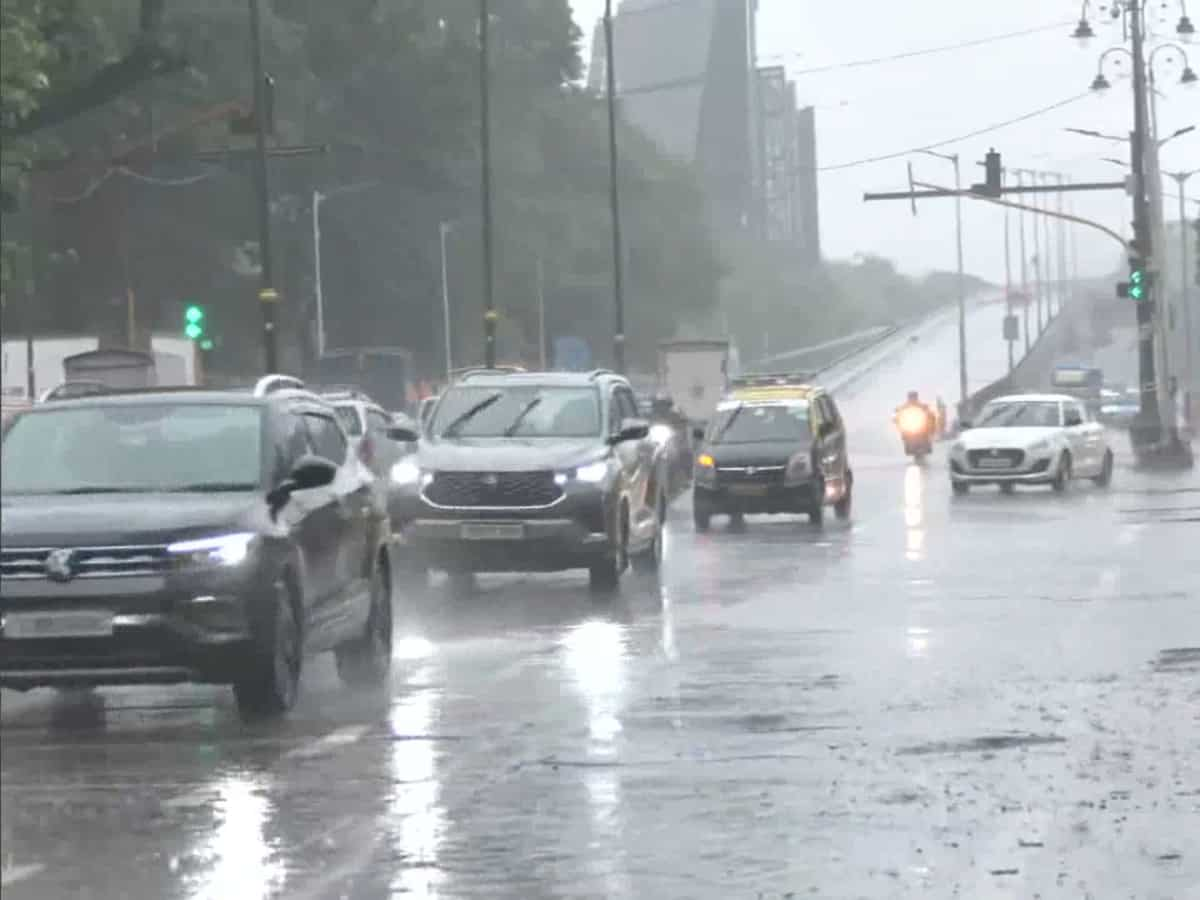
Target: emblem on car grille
{"type": "Point", "coordinates": [993, 452]}
{"type": "Point", "coordinates": [751, 471]}
{"type": "Point", "coordinates": [490, 480]}
{"type": "Point", "coordinates": [60, 565]}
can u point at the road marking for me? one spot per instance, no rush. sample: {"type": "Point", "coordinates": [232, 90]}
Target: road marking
{"type": "Point", "coordinates": [10, 874]}
{"type": "Point", "coordinates": [330, 742]}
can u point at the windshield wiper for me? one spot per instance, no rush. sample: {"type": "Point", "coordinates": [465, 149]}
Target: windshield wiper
{"type": "Point", "coordinates": [210, 487]}
{"type": "Point", "coordinates": [728, 424]}
{"type": "Point", "coordinates": [471, 413]}
{"type": "Point", "coordinates": [516, 423]}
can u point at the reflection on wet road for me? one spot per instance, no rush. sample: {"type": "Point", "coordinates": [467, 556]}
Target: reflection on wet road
{"type": "Point", "coordinates": [988, 696]}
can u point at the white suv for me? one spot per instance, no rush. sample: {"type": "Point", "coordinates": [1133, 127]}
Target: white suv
{"type": "Point", "coordinates": [366, 423]}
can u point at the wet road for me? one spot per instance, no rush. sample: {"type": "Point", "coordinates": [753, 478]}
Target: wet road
{"type": "Point", "coordinates": [988, 696]}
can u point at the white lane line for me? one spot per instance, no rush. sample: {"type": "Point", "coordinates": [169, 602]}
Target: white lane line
{"type": "Point", "coordinates": [10, 875]}
{"type": "Point", "coordinates": [330, 742]}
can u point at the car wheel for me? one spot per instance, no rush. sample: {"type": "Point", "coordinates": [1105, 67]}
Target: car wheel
{"type": "Point", "coordinates": [737, 521]}
{"type": "Point", "coordinates": [843, 507]}
{"type": "Point", "coordinates": [271, 682]}
{"type": "Point", "coordinates": [1062, 477]}
{"type": "Point", "coordinates": [960, 488]}
{"type": "Point", "coordinates": [366, 661]}
{"type": "Point", "coordinates": [701, 515]}
{"type": "Point", "coordinates": [1007, 487]}
{"type": "Point", "coordinates": [649, 561]}
{"type": "Point", "coordinates": [604, 575]}
{"type": "Point", "coordinates": [1104, 479]}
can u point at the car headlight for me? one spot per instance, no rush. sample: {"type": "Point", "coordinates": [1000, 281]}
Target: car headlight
{"type": "Point", "coordinates": [592, 473]}
{"type": "Point", "coordinates": [222, 550]}
{"type": "Point", "coordinates": [1040, 447]}
{"type": "Point", "coordinates": [406, 472]}
{"type": "Point", "coordinates": [661, 434]}
{"type": "Point", "coordinates": [797, 468]}
{"type": "Point", "coordinates": [958, 448]}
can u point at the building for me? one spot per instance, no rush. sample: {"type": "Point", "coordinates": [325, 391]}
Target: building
{"type": "Point", "coordinates": [685, 76]}
{"type": "Point", "coordinates": [788, 163]}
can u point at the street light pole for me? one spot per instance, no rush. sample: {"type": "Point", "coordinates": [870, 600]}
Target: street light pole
{"type": "Point", "coordinates": [962, 281]}
{"type": "Point", "coordinates": [443, 233]}
{"type": "Point", "coordinates": [1037, 253]}
{"type": "Point", "coordinates": [614, 191]}
{"type": "Point", "coordinates": [318, 292]}
{"type": "Point", "coordinates": [485, 157]}
{"type": "Point", "coordinates": [1024, 266]}
{"type": "Point", "coordinates": [1180, 178]}
{"type": "Point", "coordinates": [1061, 233]}
{"type": "Point", "coordinates": [267, 296]}
{"type": "Point", "coordinates": [1047, 255]}
{"type": "Point", "coordinates": [1008, 286]}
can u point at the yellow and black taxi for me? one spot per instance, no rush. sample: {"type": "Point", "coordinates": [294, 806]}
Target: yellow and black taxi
{"type": "Point", "coordinates": [777, 444]}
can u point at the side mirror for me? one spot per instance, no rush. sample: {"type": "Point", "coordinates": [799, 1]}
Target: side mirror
{"type": "Point", "coordinates": [402, 435]}
{"type": "Point", "coordinates": [1072, 419]}
{"type": "Point", "coordinates": [308, 473]}
{"type": "Point", "coordinates": [826, 430]}
{"type": "Point", "coordinates": [698, 435]}
{"type": "Point", "coordinates": [632, 430]}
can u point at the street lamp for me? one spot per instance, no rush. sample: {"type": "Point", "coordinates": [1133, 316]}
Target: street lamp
{"type": "Point", "coordinates": [1180, 179]}
{"type": "Point", "coordinates": [317, 199]}
{"type": "Point", "coordinates": [444, 229]}
{"type": "Point", "coordinates": [1083, 32]}
{"type": "Point", "coordinates": [614, 191]}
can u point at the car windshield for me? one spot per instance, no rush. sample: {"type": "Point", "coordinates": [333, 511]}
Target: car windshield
{"type": "Point", "coordinates": [755, 424]}
{"type": "Point", "coordinates": [555, 412]}
{"type": "Point", "coordinates": [348, 416]}
{"type": "Point", "coordinates": [1020, 414]}
{"type": "Point", "coordinates": [127, 448]}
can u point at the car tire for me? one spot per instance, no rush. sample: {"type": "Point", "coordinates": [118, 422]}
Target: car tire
{"type": "Point", "coordinates": [701, 515]}
{"type": "Point", "coordinates": [960, 488]}
{"type": "Point", "coordinates": [1062, 475]}
{"type": "Point", "coordinates": [1007, 487]}
{"type": "Point", "coordinates": [737, 522]}
{"type": "Point", "coordinates": [1104, 479]}
{"type": "Point", "coordinates": [604, 575]}
{"type": "Point", "coordinates": [649, 561]}
{"type": "Point", "coordinates": [844, 506]}
{"type": "Point", "coordinates": [366, 661]}
{"type": "Point", "coordinates": [271, 682]}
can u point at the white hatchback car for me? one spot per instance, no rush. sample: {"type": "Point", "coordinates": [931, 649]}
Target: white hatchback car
{"type": "Point", "coordinates": [1031, 439]}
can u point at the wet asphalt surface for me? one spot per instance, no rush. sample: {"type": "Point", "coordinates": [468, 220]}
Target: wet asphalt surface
{"type": "Point", "coordinates": [989, 696]}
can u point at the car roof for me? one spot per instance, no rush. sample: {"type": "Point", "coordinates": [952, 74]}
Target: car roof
{"type": "Point", "coordinates": [1043, 398]}
{"type": "Point", "coordinates": [484, 378]}
{"type": "Point", "coordinates": [184, 395]}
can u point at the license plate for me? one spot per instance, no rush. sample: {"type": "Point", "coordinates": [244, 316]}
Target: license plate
{"type": "Point", "coordinates": [986, 463]}
{"type": "Point", "coordinates": [476, 532]}
{"type": "Point", "coordinates": [75, 624]}
{"type": "Point", "coordinates": [748, 490]}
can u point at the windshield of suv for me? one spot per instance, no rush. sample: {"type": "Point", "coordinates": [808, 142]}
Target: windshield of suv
{"type": "Point", "coordinates": [755, 424]}
{"type": "Point", "coordinates": [126, 448]}
{"type": "Point", "coordinates": [559, 412]}
{"type": "Point", "coordinates": [1020, 414]}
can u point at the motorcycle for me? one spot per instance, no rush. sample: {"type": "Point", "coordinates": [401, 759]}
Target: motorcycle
{"type": "Point", "coordinates": [916, 430]}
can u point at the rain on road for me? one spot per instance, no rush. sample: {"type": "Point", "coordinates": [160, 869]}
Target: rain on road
{"type": "Point", "coordinates": [989, 696]}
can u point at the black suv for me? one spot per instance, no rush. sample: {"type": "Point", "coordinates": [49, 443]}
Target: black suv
{"type": "Point", "coordinates": [775, 445]}
{"type": "Point", "coordinates": [167, 536]}
{"type": "Point", "coordinates": [533, 472]}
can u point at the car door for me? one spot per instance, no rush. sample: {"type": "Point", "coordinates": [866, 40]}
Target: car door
{"type": "Point", "coordinates": [1089, 438]}
{"type": "Point", "coordinates": [350, 525]}
{"type": "Point", "coordinates": [385, 451]}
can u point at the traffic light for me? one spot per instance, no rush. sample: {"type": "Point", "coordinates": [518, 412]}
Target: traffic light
{"type": "Point", "coordinates": [194, 324]}
{"type": "Point", "coordinates": [993, 174]}
{"type": "Point", "coordinates": [1137, 287]}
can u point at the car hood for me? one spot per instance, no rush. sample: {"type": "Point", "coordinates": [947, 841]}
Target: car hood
{"type": "Point", "coordinates": [1013, 438]}
{"type": "Point", "coordinates": [507, 454]}
{"type": "Point", "coordinates": [52, 520]}
{"type": "Point", "coordinates": [757, 454]}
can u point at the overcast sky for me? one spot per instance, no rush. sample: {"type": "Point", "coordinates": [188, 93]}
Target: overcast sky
{"type": "Point", "coordinates": [878, 109]}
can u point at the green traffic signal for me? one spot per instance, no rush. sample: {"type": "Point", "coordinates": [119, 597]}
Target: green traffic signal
{"type": "Point", "coordinates": [1137, 285]}
{"type": "Point", "coordinates": [193, 321]}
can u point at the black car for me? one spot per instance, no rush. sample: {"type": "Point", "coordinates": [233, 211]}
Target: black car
{"type": "Point", "coordinates": [190, 536]}
{"type": "Point", "coordinates": [775, 445]}
{"type": "Point", "coordinates": [520, 472]}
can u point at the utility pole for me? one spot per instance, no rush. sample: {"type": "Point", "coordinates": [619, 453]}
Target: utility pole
{"type": "Point", "coordinates": [1037, 255]}
{"type": "Point", "coordinates": [1185, 293]}
{"type": "Point", "coordinates": [318, 291]}
{"type": "Point", "coordinates": [1024, 266]}
{"type": "Point", "coordinates": [1061, 232]}
{"type": "Point", "coordinates": [962, 281]}
{"type": "Point", "coordinates": [485, 155]}
{"type": "Point", "coordinates": [614, 191]}
{"type": "Point", "coordinates": [443, 233]}
{"type": "Point", "coordinates": [1147, 430]}
{"type": "Point", "coordinates": [1008, 285]}
{"type": "Point", "coordinates": [541, 298]}
{"type": "Point", "coordinates": [1047, 256]}
{"type": "Point", "coordinates": [268, 298]}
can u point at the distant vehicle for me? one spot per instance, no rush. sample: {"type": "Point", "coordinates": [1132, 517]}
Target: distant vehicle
{"type": "Point", "coordinates": [776, 445]}
{"type": "Point", "coordinates": [70, 389]}
{"type": "Point", "coordinates": [1119, 406]}
{"type": "Point", "coordinates": [384, 373]}
{"type": "Point", "coordinates": [1081, 382]}
{"type": "Point", "coordinates": [1031, 439]}
{"type": "Point", "coordinates": [190, 536]}
{"type": "Point", "coordinates": [694, 374]}
{"type": "Point", "coordinates": [534, 472]}
{"type": "Point", "coordinates": [367, 425]}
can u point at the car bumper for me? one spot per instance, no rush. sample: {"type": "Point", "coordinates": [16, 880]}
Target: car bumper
{"type": "Point", "coordinates": [1037, 472]}
{"type": "Point", "coordinates": [139, 631]}
{"type": "Point", "coordinates": [778, 498]}
{"type": "Point", "coordinates": [571, 534]}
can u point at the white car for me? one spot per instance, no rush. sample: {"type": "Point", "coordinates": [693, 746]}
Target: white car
{"type": "Point", "coordinates": [1031, 439]}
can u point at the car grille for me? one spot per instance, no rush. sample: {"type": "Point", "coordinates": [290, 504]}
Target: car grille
{"type": "Point", "coordinates": [493, 489]}
{"type": "Point", "coordinates": [750, 474]}
{"type": "Point", "coordinates": [87, 562]}
{"type": "Point", "coordinates": [982, 459]}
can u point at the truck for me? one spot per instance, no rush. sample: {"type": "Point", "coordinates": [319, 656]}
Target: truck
{"type": "Point", "coordinates": [382, 372]}
{"type": "Point", "coordinates": [694, 374]}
